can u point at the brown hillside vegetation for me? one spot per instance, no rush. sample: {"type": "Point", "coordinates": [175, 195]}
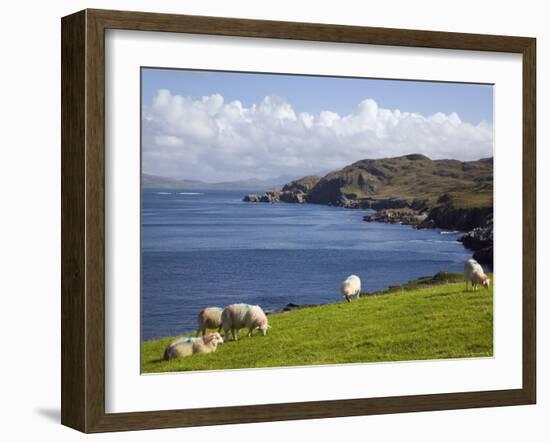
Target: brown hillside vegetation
{"type": "Point", "coordinates": [410, 178]}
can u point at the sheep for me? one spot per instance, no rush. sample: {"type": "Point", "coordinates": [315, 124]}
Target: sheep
{"type": "Point", "coordinates": [209, 317]}
{"type": "Point", "coordinates": [237, 316]}
{"type": "Point", "coordinates": [480, 278]}
{"type": "Point", "coordinates": [351, 287]}
{"type": "Point", "coordinates": [473, 272]}
{"type": "Point", "coordinates": [187, 346]}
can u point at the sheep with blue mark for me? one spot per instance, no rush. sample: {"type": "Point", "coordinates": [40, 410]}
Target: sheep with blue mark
{"type": "Point", "coordinates": [188, 346]}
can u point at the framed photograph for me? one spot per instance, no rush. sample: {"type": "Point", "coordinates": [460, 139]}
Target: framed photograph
{"type": "Point", "coordinates": [266, 221]}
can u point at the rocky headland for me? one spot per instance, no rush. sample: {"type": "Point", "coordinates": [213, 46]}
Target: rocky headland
{"type": "Point", "coordinates": [411, 190]}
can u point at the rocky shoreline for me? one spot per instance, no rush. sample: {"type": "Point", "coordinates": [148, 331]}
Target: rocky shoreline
{"type": "Point", "coordinates": [480, 240]}
{"type": "Point", "coordinates": [407, 217]}
{"type": "Point", "coordinates": [274, 196]}
{"type": "Point", "coordinates": [477, 223]}
{"type": "Point", "coordinates": [448, 194]}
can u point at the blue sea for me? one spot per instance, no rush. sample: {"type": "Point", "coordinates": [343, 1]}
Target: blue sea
{"type": "Point", "coordinates": [208, 248]}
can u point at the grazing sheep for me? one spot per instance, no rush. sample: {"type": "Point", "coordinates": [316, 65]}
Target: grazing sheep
{"type": "Point", "coordinates": [473, 272]}
{"type": "Point", "coordinates": [209, 317]}
{"type": "Point", "coordinates": [237, 316]}
{"type": "Point", "coordinates": [351, 287]}
{"type": "Point", "coordinates": [183, 347]}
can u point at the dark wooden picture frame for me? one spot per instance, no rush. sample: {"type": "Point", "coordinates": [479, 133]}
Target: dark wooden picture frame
{"type": "Point", "coordinates": [83, 220]}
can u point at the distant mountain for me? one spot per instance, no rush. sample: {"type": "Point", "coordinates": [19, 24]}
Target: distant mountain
{"type": "Point", "coordinates": [155, 181]}
{"type": "Point", "coordinates": [148, 180]}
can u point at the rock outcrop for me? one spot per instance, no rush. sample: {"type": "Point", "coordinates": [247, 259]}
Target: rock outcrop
{"type": "Point", "coordinates": [453, 218]}
{"type": "Point", "coordinates": [480, 240]}
{"type": "Point", "coordinates": [275, 196]}
{"type": "Point", "coordinates": [252, 198]}
{"type": "Point", "coordinates": [484, 256]}
{"type": "Point", "coordinates": [397, 216]}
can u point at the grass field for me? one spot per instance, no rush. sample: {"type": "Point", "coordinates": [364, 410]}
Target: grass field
{"type": "Point", "coordinates": [425, 319]}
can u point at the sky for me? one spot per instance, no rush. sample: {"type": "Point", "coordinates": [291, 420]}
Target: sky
{"type": "Point", "coordinates": [226, 126]}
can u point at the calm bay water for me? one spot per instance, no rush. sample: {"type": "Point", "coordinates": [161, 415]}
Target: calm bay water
{"type": "Point", "coordinates": [205, 248]}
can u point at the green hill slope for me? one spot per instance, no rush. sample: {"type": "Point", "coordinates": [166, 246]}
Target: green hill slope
{"type": "Point", "coordinates": [415, 322]}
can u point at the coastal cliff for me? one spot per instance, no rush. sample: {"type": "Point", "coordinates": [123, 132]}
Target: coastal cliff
{"type": "Point", "coordinates": [412, 190]}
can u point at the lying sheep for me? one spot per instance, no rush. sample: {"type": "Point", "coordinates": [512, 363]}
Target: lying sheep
{"type": "Point", "coordinates": [351, 287]}
{"type": "Point", "coordinates": [473, 273]}
{"type": "Point", "coordinates": [209, 317]}
{"type": "Point", "coordinates": [237, 316]}
{"type": "Point", "coordinates": [183, 347]}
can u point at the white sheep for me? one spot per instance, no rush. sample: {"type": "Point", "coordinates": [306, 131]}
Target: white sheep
{"type": "Point", "coordinates": [473, 272]}
{"type": "Point", "coordinates": [237, 316]}
{"type": "Point", "coordinates": [188, 346]}
{"type": "Point", "coordinates": [351, 287]}
{"type": "Point", "coordinates": [209, 317]}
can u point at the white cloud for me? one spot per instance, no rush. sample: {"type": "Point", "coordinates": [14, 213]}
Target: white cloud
{"type": "Point", "coordinates": [168, 140]}
{"type": "Point", "coordinates": [215, 140]}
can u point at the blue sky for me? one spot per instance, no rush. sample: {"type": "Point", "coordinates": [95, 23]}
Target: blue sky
{"type": "Point", "coordinates": [221, 126]}
{"type": "Point", "coordinates": [472, 102]}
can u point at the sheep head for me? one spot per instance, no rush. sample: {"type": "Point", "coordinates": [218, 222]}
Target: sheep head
{"type": "Point", "coordinates": [212, 339]}
{"type": "Point", "coordinates": [263, 328]}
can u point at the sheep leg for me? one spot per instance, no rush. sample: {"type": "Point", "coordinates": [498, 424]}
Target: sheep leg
{"type": "Point", "coordinates": [347, 298]}
{"type": "Point", "coordinates": [235, 334]}
{"type": "Point", "coordinates": [250, 332]}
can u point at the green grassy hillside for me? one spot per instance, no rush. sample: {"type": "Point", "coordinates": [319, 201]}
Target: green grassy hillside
{"type": "Point", "coordinates": [421, 320]}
